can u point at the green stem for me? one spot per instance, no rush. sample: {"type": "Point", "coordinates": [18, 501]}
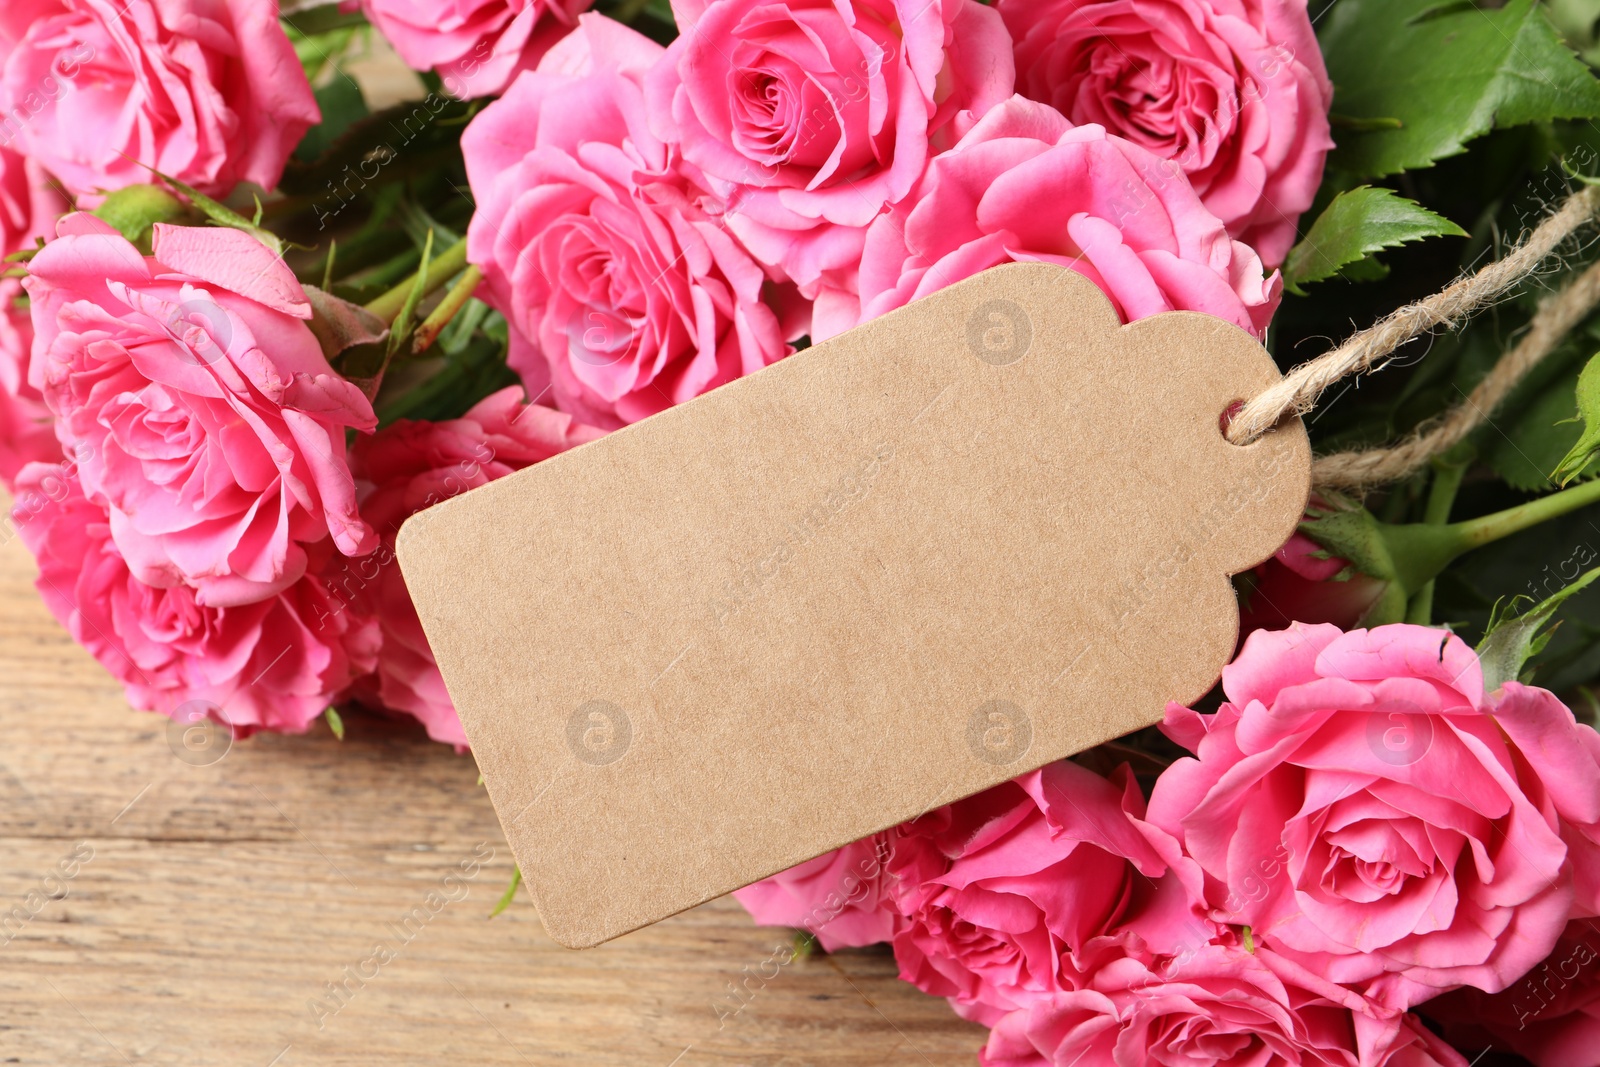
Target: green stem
{"type": "Point", "coordinates": [1411, 555]}
{"type": "Point", "coordinates": [1448, 470]}
{"type": "Point", "coordinates": [327, 271]}
{"type": "Point", "coordinates": [1442, 494]}
{"type": "Point", "coordinates": [287, 206]}
{"type": "Point", "coordinates": [628, 10]}
{"type": "Point", "coordinates": [510, 894]}
{"type": "Point", "coordinates": [323, 19]}
{"type": "Point", "coordinates": [444, 267]}
{"type": "Point", "coordinates": [359, 253]}
{"type": "Point", "coordinates": [389, 271]}
{"type": "Point", "coordinates": [400, 329]}
{"type": "Point", "coordinates": [1474, 533]}
{"type": "Point", "coordinates": [448, 308]}
{"type": "Point", "coordinates": [1397, 504]}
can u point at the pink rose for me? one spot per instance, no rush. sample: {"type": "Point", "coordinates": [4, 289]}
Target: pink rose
{"type": "Point", "coordinates": [26, 433]}
{"type": "Point", "coordinates": [808, 117]}
{"type": "Point", "coordinates": [1568, 761]}
{"type": "Point", "coordinates": [1400, 832]}
{"type": "Point", "coordinates": [1301, 583]}
{"type": "Point", "coordinates": [209, 93]}
{"type": "Point", "coordinates": [624, 296]}
{"type": "Point", "coordinates": [476, 46]}
{"type": "Point", "coordinates": [1235, 91]}
{"type": "Point", "coordinates": [198, 404]}
{"type": "Point", "coordinates": [1026, 185]}
{"type": "Point", "coordinates": [28, 205]}
{"type": "Point", "coordinates": [28, 210]}
{"type": "Point", "coordinates": [1223, 1006]}
{"type": "Point", "coordinates": [275, 664]}
{"type": "Point", "coordinates": [410, 466]}
{"type": "Point", "coordinates": [1551, 1016]}
{"type": "Point", "coordinates": [842, 896]}
{"type": "Point", "coordinates": [1022, 890]}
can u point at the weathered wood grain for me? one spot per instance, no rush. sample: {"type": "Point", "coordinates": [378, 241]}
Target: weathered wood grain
{"type": "Point", "coordinates": [221, 900]}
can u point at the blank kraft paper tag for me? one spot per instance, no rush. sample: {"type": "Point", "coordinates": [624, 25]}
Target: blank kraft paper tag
{"type": "Point", "coordinates": [981, 533]}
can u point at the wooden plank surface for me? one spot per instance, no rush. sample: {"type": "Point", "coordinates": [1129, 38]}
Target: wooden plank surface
{"type": "Point", "coordinates": [220, 902]}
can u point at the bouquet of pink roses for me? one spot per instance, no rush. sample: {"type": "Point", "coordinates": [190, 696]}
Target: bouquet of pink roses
{"type": "Point", "coordinates": [252, 324]}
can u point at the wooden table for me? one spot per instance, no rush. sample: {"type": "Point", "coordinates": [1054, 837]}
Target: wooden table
{"type": "Point", "coordinates": [215, 904]}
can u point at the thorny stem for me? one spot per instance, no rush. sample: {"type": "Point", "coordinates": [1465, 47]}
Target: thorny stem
{"type": "Point", "coordinates": [444, 266]}
{"type": "Point", "coordinates": [448, 308]}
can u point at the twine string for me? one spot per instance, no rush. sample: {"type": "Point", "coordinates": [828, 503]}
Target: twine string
{"type": "Point", "coordinates": [1370, 349]}
{"type": "Point", "coordinates": [1556, 317]}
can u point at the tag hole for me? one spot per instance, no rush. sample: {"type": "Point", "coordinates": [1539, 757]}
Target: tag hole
{"type": "Point", "coordinates": [1226, 418]}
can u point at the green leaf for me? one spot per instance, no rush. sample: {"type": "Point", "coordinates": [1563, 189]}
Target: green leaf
{"type": "Point", "coordinates": [1405, 556]}
{"type": "Point", "coordinates": [310, 20]}
{"type": "Point", "coordinates": [1590, 705]}
{"type": "Point", "coordinates": [1512, 641]}
{"type": "Point", "coordinates": [1579, 23]}
{"type": "Point", "coordinates": [468, 375]}
{"type": "Point", "coordinates": [1345, 122]}
{"type": "Point", "coordinates": [319, 53]}
{"type": "Point", "coordinates": [1448, 73]}
{"type": "Point", "coordinates": [220, 214]}
{"type": "Point", "coordinates": [1352, 533]}
{"type": "Point", "coordinates": [1358, 223]}
{"type": "Point", "coordinates": [1588, 394]}
{"type": "Point", "coordinates": [342, 106]}
{"type": "Point", "coordinates": [1439, 8]}
{"type": "Point", "coordinates": [455, 337]}
{"type": "Point", "coordinates": [411, 138]}
{"type": "Point", "coordinates": [335, 723]}
{"type": "Point", "coordinates": [1371, 269]}
{"type": "Point", "coordinates": [465, 379]}
{"type": "Point", "coordinates": [408, 311]}
{"type": "Point", "coordinates": [1533, 433]}
{"type": "Point", "coordinates": [135, 210]}
{"type": "Point", "coordinates": [510, 894]}
{"type": "Point", "coordinates": [368, 351]}
{"type": "Point", "coordinates": [418, 223]}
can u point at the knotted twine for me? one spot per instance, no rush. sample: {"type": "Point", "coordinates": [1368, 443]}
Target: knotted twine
{"type": "Point", "coordinates": [1371, 348]}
